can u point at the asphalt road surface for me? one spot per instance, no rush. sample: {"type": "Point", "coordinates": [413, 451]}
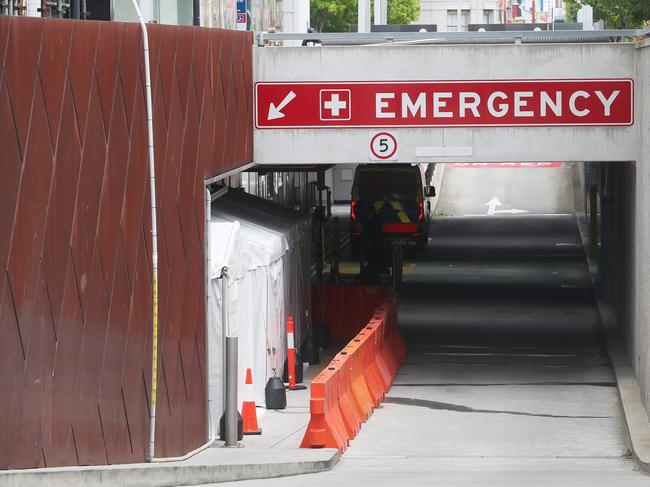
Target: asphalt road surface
{"type": "Point", "coordinates": [507, 380]}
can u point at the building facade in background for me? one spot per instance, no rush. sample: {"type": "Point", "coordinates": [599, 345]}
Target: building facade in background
{"type": "Point", "coordinates": [443, 13]}
{"type": "Point", "coordinates": [263, 15]}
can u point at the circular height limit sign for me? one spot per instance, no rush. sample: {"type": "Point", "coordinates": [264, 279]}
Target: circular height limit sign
{"type": "Point", "coordinates": [383, 146]}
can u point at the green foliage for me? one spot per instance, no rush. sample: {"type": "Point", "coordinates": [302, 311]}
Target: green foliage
{"type": "Point", "coordinates": [571, 8]}
{"type": "Point", "coordinates": [403, 11]}
{"type": "Point", "coordinates": [338, 15]}
{"type": "Point", "coordinates": [333, 15]}
{"type": "Point", "coordinates": [619, 14]}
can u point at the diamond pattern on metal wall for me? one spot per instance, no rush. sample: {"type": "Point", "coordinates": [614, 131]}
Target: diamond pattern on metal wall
{"type": "Point", "coordinates": [75, 244]}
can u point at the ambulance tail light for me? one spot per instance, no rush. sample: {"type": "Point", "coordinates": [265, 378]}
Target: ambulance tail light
{"type": "Point", "coordinates": [421, 213]}
{"type": "Point", "coordinates": [353, 207]}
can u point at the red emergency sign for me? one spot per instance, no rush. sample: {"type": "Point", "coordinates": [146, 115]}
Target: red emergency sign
{"type": "Point", "coordinates": [490, 103]}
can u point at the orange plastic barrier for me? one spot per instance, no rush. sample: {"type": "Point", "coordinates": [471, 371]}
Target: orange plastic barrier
{"type": "Point", "coordinates": [355, 382]}
{"type": "Point", "coordinates": [345, 308]}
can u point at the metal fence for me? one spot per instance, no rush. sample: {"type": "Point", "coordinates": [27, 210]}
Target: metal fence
{"type": "Point", "coordinates": [494, 37]}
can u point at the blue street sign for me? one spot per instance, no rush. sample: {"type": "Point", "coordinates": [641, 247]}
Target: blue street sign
{"type": "Point", "coordinates": [242, 6]}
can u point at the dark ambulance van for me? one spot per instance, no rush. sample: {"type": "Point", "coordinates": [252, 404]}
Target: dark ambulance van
{"type": "Point", "coordinates": [399, 194]}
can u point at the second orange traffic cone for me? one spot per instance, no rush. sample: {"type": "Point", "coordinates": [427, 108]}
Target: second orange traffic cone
{"type": "Point", "coordinates": [248, 411]}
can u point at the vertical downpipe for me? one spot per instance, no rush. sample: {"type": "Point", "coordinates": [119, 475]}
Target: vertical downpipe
{"type": "Point", "coordinates": [208, 301]}
{"type": "Point", "coordinates": [154, 235]}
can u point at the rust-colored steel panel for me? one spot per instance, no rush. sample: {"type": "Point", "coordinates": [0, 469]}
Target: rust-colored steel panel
{"type": "Point", "coordinates": [91, 175]}
{"type": "Point", "coordinates": [34, 415]}
{"type": "Point", "coordinates": [111, 405]}
{"type": "Point", "coordinates": [129, 67]}
{"type": "Point", "coordinates": [75, 232]}
{"type": "Point", "coordinates": [183, 63]}
{"type": "Point", "coordinates": [61, 204]}
{"type": "Point", "coordinates": [11, 363]}
{"type": "Point", "coordinates": [114, 182]}
{"type": "Point", "coordinates": [5, 23]}
{"type": "Point", "coordinates": [21, 70]}
{"type": "Point", "coordinates": [11, 165]}
{"type": "Point", "coordinates": [52, 67]}
{"type": "Point", "coordinates": [106, 68]}
{"type": "Point", "coordinates": [199, 56]}
{"type": "Point", "coordinates": [27, 240]}
{"type": "Point", "coordinates": [59, 448]}
{"type": "Point", "coordinates": [81, 67]}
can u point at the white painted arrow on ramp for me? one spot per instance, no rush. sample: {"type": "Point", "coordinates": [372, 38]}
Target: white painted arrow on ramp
{"type": "Point", "coordinates": [513, 211]}
{"type": "Point", "coordinates": [276, 112]}
{"type": "Point", "coordinates": [492, 208]}
{"type": "Point", "coordinates": [492, 205]}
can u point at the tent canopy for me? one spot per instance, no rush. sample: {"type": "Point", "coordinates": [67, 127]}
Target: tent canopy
{"type": "Point", "coordinates": [266, 249]}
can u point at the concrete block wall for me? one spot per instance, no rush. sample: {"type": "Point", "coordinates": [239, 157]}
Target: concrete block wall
{"type": "Point", "coordinates": [638, 332]}
{"type": "Point", "coordinates": [624, 256]}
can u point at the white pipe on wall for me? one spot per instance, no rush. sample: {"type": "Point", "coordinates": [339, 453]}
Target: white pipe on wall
{"type": "Point", "coordinates": [154, 236]}
{"type": "Point", "coordinates": [208, 300]}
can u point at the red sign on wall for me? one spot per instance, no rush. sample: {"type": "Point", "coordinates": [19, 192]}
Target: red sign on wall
{"type": "Point", "coordinates": [493, 103]}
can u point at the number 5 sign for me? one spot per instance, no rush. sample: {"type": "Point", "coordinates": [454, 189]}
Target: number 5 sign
{"type": "Point", "coordinates": [383, 146]}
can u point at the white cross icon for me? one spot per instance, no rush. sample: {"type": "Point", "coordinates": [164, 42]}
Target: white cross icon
{"type": "Point", "coordinates": [335, 105]}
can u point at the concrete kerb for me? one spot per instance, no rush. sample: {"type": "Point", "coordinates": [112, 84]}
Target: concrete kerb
{"type": "Point", "coordinates": [213, 465]}
{"type": "Point", "coordinates": [636, 420]}
{"type": "Point", "coordinates": [259, 457]}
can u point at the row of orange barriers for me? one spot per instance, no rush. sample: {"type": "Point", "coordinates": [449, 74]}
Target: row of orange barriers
{"type": "Point", "coordinates": [355, 382]}
{"type": "Point", "coordinates": [345, 308]}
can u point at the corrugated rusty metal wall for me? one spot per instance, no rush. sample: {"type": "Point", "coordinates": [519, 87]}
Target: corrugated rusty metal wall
{"type": "Point", "coordinates": [75, 295]}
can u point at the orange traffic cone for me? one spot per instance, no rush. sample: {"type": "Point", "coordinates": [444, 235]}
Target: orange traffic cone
{"type": "Point", "coordinates": [248, 412]}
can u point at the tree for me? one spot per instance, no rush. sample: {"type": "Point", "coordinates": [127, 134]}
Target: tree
{"type": "Point", "coordinates": [333, 15]}
{"type": "Point", "coordinates": [403, 11]}
{"type": "Point", "coordinates": [619, 14]}
{"type": "Point", "coordinates": [338, 15]}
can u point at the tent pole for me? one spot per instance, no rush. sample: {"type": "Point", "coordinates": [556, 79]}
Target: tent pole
{"type": "Point", "coordinates": [225, 326]}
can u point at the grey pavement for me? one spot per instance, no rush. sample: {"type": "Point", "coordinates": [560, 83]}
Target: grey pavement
{"type": "Point", "coordinates": [507, 381]}
{"type": "Point", "coordinates": [210, 465]}
{"type": "Point", "coordinates": [275, 453]}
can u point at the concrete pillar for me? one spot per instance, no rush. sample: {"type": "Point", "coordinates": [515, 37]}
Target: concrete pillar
{"type": "Point", "coordinates": [381, 12]}
{"type": "Point", "coordinates": [148, 10]}
{"type": "Point", "coordinates": [586, 17]}
{"type": "Point", "coordinates": [476, 12]}
{"type": "Point", "coordinates": [295, 16]}
{"type": "Point", "coordinates": [364, 16]}
{"type": "Point", "coordinates": [32, 7]}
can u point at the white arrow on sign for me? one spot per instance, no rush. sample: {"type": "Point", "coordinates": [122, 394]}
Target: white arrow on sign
{"type": "Point", "coordinates": [492, 208]}
{"type": "Point", "coordinates": [276, 112]}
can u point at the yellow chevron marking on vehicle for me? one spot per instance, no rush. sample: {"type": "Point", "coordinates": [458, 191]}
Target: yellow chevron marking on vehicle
{"type": "Point", "coordinates": [403, 217]}
{"type": "Point", "coordinates": [379, 205]}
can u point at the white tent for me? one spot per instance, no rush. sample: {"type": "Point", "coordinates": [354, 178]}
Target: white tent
{"type": "Point", "coordinates": [266, 249]}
